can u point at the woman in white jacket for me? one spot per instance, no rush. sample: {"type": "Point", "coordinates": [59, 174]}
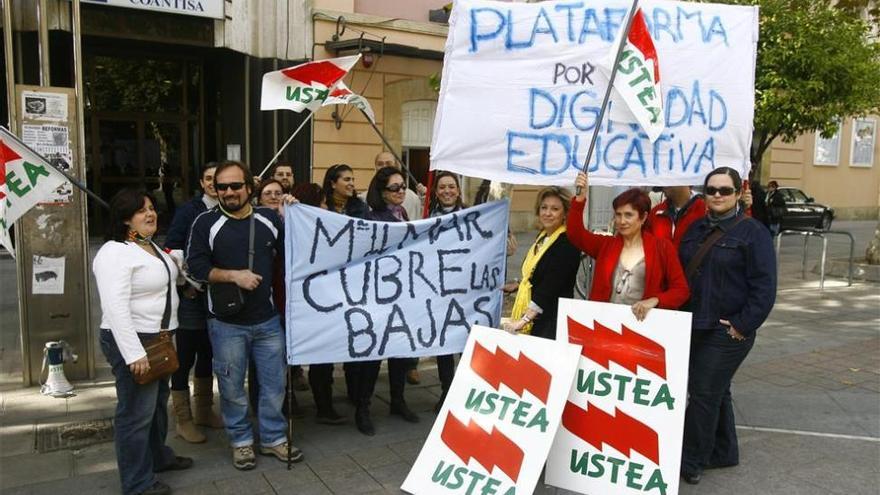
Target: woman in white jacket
{"type": "Point", "coordinates": [135, 281]}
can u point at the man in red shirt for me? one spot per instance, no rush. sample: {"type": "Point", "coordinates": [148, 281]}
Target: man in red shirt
{"type": "Point", "coordinates": [671, 218]}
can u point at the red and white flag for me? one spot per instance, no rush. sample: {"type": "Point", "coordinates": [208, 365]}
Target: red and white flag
{"type": "Point", "coordinates": [341, 95]}
{"type": "Point", "coordinates": [26, 179]}
{"type": "Point", "coordinates": [638, 76]}
{"type": "Point", "coordinates": [305, 86]}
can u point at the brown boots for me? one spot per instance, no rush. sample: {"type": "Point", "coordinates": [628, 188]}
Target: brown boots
{"type": "Point", "coordinates": [203, 396]}
{"type": "Point", "coordinates": [186, 429]}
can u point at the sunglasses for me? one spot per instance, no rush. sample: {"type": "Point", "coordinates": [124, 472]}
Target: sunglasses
{"type": "Point", "coordinates": [395, 188]}
{"type": "Point", "coordinates": [235, 186]}
{"type": "Point", "coordinates": [724, 191]}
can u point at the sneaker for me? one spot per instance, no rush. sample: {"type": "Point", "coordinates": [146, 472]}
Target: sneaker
{"type": "Point", "coordinates": [280, 451]}
{"type": "Point", "coordinates": [243, 458]}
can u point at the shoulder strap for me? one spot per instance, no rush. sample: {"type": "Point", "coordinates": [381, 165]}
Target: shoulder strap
{"type": "Point", "coordinates": [166, 314]}
{"type": "Point", "coordinates": [707, 245]}
{"type": "Point", "coordinates": [251, 242]}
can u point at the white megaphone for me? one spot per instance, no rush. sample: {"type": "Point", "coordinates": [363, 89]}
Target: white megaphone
{"type": "Point", "coordinates": [54, 354]}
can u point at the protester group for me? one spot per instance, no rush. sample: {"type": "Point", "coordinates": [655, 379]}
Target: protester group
{"type": "Point", "coordinates": [218, 284]}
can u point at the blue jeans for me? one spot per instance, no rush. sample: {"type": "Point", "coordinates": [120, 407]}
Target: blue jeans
{"type": "Point", "coordinates": [709, 426]}
{"type": "Point", "coordinates": [233, 345]}
{"type": "Point", "coordinates": [141, 422]}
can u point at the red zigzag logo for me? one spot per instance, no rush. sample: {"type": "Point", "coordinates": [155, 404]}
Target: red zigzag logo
{"type": "Point", "coordinates": [324, 72]}
{"type": "Point", "coordinates": [519, 374]}
{"type": "Point", "coordinates": [490, 449]}
{"type": "Point", "coordinates": [628, 349]}
{"type": "Point", "coordinates": [621, 431]}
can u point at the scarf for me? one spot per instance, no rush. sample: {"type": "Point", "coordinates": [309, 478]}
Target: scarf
{"type": "Point", "coordinates": [715, 220]}
{"type": "Point", "coordinates": [533, 256]}
{"type": "Point", "coordinates": [339, 202]}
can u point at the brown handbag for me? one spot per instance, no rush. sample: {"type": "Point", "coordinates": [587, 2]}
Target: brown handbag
{"type": "Point", "coordinates": [162, 357]}
{"type": "Point", "coordinates": [160, 350]}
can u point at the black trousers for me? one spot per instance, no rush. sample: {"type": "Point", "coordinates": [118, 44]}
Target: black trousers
{"type": "Point", "coordinates": [709, 427]}
{"type": "Point", "coordinates": [445, 371]}
{"type": "Point", "coordinates": [193, 348]}
{"type": "Point", "coordinates": [361, 379]}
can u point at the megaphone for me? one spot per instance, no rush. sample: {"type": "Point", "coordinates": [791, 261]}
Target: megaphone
{"type": "Point", "coordinates": [54, 354]}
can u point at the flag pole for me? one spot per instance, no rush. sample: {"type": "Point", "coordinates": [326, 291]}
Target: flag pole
{"type": "Point", "coordinates": [311, 114]}
{"type": "Point", "coordinates": [67, 176]}
{"type": "Point", "coordinates": [601, 116]}
{"type": "Point", "coordinates": [403, 165]}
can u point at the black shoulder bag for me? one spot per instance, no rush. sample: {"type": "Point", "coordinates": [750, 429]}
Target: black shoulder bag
{"type": "Point", "coordinates": [227, 299]}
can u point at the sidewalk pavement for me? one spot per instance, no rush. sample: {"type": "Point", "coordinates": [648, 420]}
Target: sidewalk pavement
{"type": "Point", "coordinates": [807, 400]}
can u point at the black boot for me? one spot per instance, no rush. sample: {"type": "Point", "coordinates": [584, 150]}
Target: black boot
{"type": "Point", "coordinates": [439, 404]}
{"type": "Point", "coordinates": [399, 408]}
{"type": "Point", "coordinates": [362, 420]}
{"type": "Point", "coordinates": [326, 414]}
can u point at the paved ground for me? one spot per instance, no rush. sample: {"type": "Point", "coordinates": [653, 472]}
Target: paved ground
{"type": "Point", "coordinates": [807, 400]}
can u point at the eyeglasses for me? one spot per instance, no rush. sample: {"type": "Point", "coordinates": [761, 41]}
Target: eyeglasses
{"type": "Point", "coordinates": [395, 188]}
{"type": "Point", "coordinates": [235, 186]}
{"type": "Point", "coordinates": [724, 191]}
{"type": "Point", "coordinates": [273, 193]}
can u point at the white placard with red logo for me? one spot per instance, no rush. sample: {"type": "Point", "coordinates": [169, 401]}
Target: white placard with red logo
{"type": "Point", "coordinates": [621, 430]}
{"type": "Point", "coordinates": [500, 416]}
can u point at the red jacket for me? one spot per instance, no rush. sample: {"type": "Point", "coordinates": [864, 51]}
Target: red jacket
{"type": "Point", "coordinates": [660, 222]}
{"type": "Point", "coordinates": [664, 278]}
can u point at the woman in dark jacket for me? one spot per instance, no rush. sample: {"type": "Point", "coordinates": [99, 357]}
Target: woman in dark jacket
{"type": "Point", "coordinates": [548, 271]}
{"type": "Point", "coordinates": [733, 288]}
{"type": "Point", "coordinates": [632, 267]}
{"type": "Point", "coordinates": [385, 198]}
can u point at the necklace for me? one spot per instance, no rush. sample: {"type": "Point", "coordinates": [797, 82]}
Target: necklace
{"type": "Point", "coordinates": [136, 237]}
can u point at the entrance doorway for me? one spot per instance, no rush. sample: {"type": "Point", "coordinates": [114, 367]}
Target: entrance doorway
{"type": "Point", "coordinates": [143, 127]}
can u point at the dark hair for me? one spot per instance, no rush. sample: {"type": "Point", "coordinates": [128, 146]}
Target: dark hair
{"type": "Point", "coordinates": [377, 186]}
{"type": "Point", "coordinates": [563, 194]}
{"type": "Point", "coordinates": [330, 176]}
{"type": "Point", "coordinates": [308, 193]}
{"type": "Point", "coordinates": [123, 206]}
{"type": "Point", "coordinates": [282, 164]}
{"type": "Point", "coordinates": [730, 172]}
{"type": "Point", "coordinates": [435, 203]}
{"type": "Point", "coordinates": [635, 197]}
{"type": "Point", "coordinates": [206, 167]}
{"type": "Point", "coordinates": [773, 183]}
{"type": "Point", "coordinates": [258, 194]}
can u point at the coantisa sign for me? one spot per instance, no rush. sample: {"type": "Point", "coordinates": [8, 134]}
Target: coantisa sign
{"type": "Point", "coordinates": [201, 8]}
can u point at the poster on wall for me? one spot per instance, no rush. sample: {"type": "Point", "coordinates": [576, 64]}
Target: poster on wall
{"type": "Point", "coordinates": [53, 143]}
{"type": "Point", "coordinates": [496, 425]}
{"type": "Point", "coordinates": [48, 275]}
{"type": "Point", "coordinates": [37, 105]}
{"type": "Point", "coordinates": [621, 430]}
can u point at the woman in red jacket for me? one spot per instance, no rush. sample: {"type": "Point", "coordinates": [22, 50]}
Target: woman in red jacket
{"type": "Point", "coordinates": [632, 267]}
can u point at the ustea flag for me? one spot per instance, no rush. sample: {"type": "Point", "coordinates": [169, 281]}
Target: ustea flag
{"type": "Point", "coordinates": [341, 95]}
{"type": "Point", "coordinates": [638, 76]}
{"type": "Point", "coordinates": [305, 86]}
{"type": "Point", "coordinates": [25, 180]}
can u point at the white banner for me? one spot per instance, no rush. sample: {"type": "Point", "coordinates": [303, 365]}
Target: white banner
{"type": "Point", "coordinates": [499, 418]}
{"type": "Point", "coordinates": [521, 92]}
{"type": "Point", "coordinates": [360, 290]}
{"type": "Point", "coordinates": [304, 86]}
{"type": "Point", "coordinates": [622, 427]}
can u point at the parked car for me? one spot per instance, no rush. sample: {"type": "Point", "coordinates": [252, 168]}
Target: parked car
{"type": "Point", "coordinates": [802, 211]}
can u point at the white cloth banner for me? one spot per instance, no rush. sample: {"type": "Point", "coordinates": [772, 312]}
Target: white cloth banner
{"type": "Point", "coordinates": [521, 92]}
{"type": "Point", "coordinates": [499, 418]}
{"type": "Point", "coordinates": [359, 290]}
{"type": "Point", "coordinates": [622, 427]}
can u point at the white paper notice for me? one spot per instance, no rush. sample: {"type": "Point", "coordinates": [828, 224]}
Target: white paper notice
{"type": "Point", "coordinates": [48, 275]}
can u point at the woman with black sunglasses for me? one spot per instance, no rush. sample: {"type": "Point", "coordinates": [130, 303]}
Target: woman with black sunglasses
{"type": "Point", "coordinates": [385, 197]}
{"type": "Point", "coordinates": [731, 269]}
{"type": "Point", "coordinates": [633, 267]}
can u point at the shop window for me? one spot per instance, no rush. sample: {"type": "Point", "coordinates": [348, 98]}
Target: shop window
{"type": "Point", "coordinates": [863, 138]}
{"type": "Point", "coordinates": [827, 150]}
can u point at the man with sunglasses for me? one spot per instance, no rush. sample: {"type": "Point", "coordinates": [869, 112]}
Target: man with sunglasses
{"type": "Point", "coordinates": [218, 253]}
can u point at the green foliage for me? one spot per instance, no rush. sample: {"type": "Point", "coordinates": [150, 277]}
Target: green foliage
{"type": "Point", "coordinates": [816, 63]}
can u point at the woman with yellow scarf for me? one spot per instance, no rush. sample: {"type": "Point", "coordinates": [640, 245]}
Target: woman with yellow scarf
{"type": "Point", "coordinates": [548, 271]}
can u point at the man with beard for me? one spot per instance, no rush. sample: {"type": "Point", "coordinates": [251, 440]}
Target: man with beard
{"type": "Point", "coordinates": [283, 173]}
{"type": "Point", "coordinates": [218, 253]}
